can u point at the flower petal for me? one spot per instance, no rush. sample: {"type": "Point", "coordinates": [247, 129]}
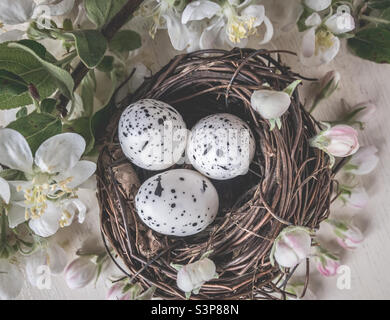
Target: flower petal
{"type": "Point", "coordinates": [340, 23]}
{"type": "Point", "coordinates": [79, 173]}
{"type": "Point", "coordinates": [309, 43]}
{"type": "Point", "coordinates": [49, 223]}
{"type": "Point", "coordinates": [16, 11]}
{"type": "Point", "coordinates": [178, 33]}
{"type": "Point", "coordinates": [33, 263]}
{"type": "Point", "coordinates": [254, 11]}
{"type": "Point", "coordinates": [15, 152]}
{"type": "Point", "coordinates": [16, 215]}
{"type": "Point", "coordinates": [318, 5]}
{"type": "Point", "coordinates": [74, 207]}
{"type": "Point", "coordinates": [11, 280]}
{"type": "Point", "coordinates": [57, 258]}
{"type": "Point", "coordinates": [313, 20]}
{"type": "Point", "coordinates": [5, 191]}
{"type": "Point", "coordinates": [60, 153]}
{"type": "Point", "coordinates": [364, 161]}
{"type": "Point", "coordinates": [269, 31]}
{"type": "Point", "coordinates": [12, 35]}
{"type": "Point", "coordinates": [211, 34]}
{"type": "Point", "coordinates": [54, 9]}
{"type": "Point", "coordinates": [199, 10]}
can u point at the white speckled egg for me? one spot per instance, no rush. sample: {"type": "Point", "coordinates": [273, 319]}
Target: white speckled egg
{"type": "Point", "coordinates": [152, 134]}
{"type": "Point", "coordinates": [178, 202]}
{"type": "Point", "coordinates": [221, 146]}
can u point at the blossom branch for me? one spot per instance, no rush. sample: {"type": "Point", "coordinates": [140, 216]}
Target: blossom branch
{"type": "Point", "coordinates": [109, 30]}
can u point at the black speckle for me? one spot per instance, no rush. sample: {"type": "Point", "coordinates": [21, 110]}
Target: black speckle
{"type": "Point", "coordinates": [194, 224]}
{"type": "Point", "coordinates": [159, 188]}
{"type": "Point", "coordinates": [173, 205]}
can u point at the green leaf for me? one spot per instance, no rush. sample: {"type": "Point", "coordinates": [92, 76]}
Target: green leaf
{"type": "Point", "coordinates": [61, 78]}
{"type": "Point", "coordinates": [37, 127]}
{"type": "Point", "coordinates": [88, 89]}
{"type": "Point", "coordinates": [22, 112]}
{"type": "Point", "coordinates": [102, 11]}
{"type": "Point", "coordinates": [19, 66]}
{"type": "Point", "coordinates": [82, 126]}
{"type": "Point", "coordinates": [107, 64]}
{"type": "Point", "coordinates": [48, 105]}
{"type": "Point", "coordinates": [91, 46]}
{"type": "Point", "coordinates": [12, 175]}
{"type": "Point", "coordinates": [12, 83]}
{"type": "Point", "coordinates": [302, 19]}
{"type": "Point", "coordinates": [125, 40]}
{"type": "Point", "coordinates": [372, 44]}
{"type": "Point", "coordinates": [379, 4]}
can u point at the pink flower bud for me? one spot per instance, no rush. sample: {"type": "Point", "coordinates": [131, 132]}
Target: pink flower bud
{"type": "Point", "coordinates": [357, 198]}
{"type": "Point", "coordinates": [291, 247]}
{"type": "Point", "coordinates": [363, 162]}
{"type": "Point", "coordinates": [80, 272]}
{"type": "Point", "coordinates": [338, 141]}
{"type": "Point", "coordinates": [348, 236]}
{"type": "Point", "coordinates": [118, 292]}
{"type": "Point", "coordinates": [327, 263]}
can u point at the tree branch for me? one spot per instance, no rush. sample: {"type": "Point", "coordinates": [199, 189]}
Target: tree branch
{"type": "Point", "coordinates": [109, 31]}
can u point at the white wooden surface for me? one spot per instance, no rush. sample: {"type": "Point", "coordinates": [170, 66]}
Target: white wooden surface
{"type": "Point", "coordinates": [361, 81]}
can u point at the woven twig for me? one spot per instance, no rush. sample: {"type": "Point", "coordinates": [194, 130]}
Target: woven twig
{"type": "Point", "coordinates": [289, 182]}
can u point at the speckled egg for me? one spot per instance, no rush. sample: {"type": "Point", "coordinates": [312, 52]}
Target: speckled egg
{"type": "Point", "coordinates": [221, 146]}
{"type": "Point", "coordinates": [178, 202]}
{"type": "Point", "coordinates": [152, 134]}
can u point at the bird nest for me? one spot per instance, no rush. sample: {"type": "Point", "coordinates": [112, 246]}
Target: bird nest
{"type": "Point", "coordinates": [289, 182]}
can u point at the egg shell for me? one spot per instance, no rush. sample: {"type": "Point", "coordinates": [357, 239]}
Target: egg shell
{"type": "Point", "coordinates": [178, 202]}
{"type": "Point", "coordinates": [152, 134]}
{"type": "Point", "coordinates": [221, 146]}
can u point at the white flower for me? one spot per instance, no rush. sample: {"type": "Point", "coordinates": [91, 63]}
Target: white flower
{"type": "Point", "coordinates": [52, 257]}
{"type": "Point", "coordinates": [80, 272]}
{"type": "Point", "coordinates": [19, 12]}
{"type": "Point", "coordinates": [48, 199]}
{"type": "Point", "coordinates": [192, 276]}
{"type": "Point", "coordinates": [270, 104]}
{"type": "Point", "coordinates": [340, 23]}
{"type": "Point", "coordinates": [348, 236]}
{"type": "Point", "coordinates": [356, 198]}
{"type": "Point", "coordinates": [291, 247]}
{"type": "Point", "coordinates": [5, 191]}
{"type": "Point", "coordinates": [231, 22]}
{"type": "Point", "coordinates": [319, 47]}
{"type": "Point", "coordinates": [318, 5]}
{"type": "Point", "coordinates": [166, 14]}
{"type": "Point", "coordinates": [11, 280]}
{"type": "Point", "coordinates": [363, 162]}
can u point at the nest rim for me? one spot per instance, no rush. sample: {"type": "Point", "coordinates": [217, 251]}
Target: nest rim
{"type": "Point", "coordinates": [258, 214]}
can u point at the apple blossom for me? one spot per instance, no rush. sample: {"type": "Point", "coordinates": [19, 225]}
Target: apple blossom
{"type": "Point", "coordinates": [123, 290]}
{"type": "Point", "coordinates": [48, 199]}
{"type": "Point", "coordinates": [11, 280]}
{"type": "Point", "coordinates": [356, 198]}
{"type": "Point", "coordinates": [80, 272]}
{"type": "Point", "coordinates": [337, 141]}
{"type": "Point", "coordinates": [291, 247]}
{"type": "Point", "coordinates": [192, 276]}
{"type": "Point", "coordinates": [340, 23]}
{"type": "Point", "coordinates": [327, 263]}
{"type": "Point", "coordinates": [318, 5]}
{"type": "Point", "coordinates": [51, 256]}
{"type": "Point", "coordinates": [363, 162]}
{"type": "Point", "coordinates": [5, 191]}
{"type": "Point", "coordinates": [231, 22]}
{"type": "Point", "coordinates": [20, 12]}
{"type": "Point", "coordinates": [348, 236]}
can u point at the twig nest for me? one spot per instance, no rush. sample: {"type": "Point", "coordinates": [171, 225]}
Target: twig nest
{"type": "Point", "coordinates": [221, 146]}
{"type": "Point", "coordinates": [146, 130]}
{"type": "Point", "coordinates": [289, 183]}
{"type": "Point", "coordinates": [178, 202]}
